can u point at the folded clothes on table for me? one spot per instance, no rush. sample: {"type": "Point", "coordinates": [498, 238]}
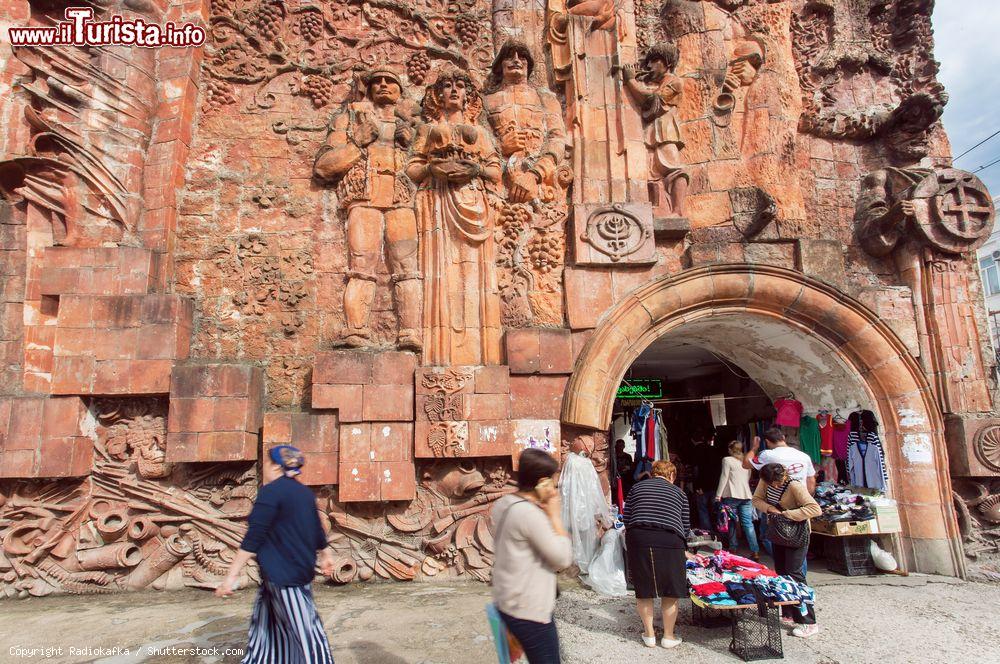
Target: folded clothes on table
{"type": "Point", "coordinates": [706, 589]}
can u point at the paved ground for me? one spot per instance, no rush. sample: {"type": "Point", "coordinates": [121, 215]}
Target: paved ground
{"type": "Point", "coordinates": [889, 619]}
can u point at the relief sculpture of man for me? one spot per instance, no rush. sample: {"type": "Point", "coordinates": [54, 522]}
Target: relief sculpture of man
{"type": "Point", "coordinates": [365, 153]}
{"type": "Point", "coordinates": [658, 92]}
{"type": "Point", "coordinates": [457, 169]}
{"type": "Point", "coordinates": [528, 123]}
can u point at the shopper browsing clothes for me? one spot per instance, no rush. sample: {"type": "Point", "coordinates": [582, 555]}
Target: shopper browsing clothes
{"type": "Point", "coordinates": [531, 545]}
{"type": "Point", "coordinates": [734, 493]}
{"type": "Point", "coordinates": [796, 462]}
{"type": "Point", "coordinates": [707, 461]}
{"type": "Point", "coordinates": [284, 532]}
{"type": "Point", "coordinates": [657, 522]}
{"type": "Point", "coordinates": [789, 507]}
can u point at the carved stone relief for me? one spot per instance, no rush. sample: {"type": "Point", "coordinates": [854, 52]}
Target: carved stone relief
{"type": "Point", "coordinates": [883, 46]}
{"type": "Point", "coordinates": [445, 531]}
{"type": "Point", "coordinates": [84, 170]}
{"type": "Point", "coordinates": [137, 521]}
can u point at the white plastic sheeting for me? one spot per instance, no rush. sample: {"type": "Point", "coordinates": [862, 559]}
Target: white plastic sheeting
{"type": "Point", "coordinates": [583, 507]}
{"type": "Point", "coordinates": [607, 570]}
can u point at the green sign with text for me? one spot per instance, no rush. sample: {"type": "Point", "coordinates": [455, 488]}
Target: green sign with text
{"type": "Point", "coordinates": [640, 388]}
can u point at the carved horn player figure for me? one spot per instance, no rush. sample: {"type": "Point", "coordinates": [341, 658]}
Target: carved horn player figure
{"type": "Point", "coordinates": [659, 92]}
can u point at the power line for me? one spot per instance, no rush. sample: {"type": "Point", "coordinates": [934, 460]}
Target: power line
{"type": "Point", "coordinates": [983, 168]}
{"type": "Point", "coordinates": [997, 132]}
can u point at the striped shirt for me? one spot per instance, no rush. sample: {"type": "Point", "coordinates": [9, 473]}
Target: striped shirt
{"type": "Point", "coordinates": [657, 503]}
{"type": "Point", "coordinates": [774, 494]}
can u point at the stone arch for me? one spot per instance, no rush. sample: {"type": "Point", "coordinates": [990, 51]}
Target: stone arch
{"type": "Point", "coordinates": [912, 424]}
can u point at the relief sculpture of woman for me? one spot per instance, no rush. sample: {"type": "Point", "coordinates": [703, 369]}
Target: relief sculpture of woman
{"type": "Point", "coordinates": [457, 170]}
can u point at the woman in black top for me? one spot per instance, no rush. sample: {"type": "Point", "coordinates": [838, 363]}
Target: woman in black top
{"type": "Point", "coordinates": [657, 521]}
{"type": "Point", "coordinates": [284, 533]}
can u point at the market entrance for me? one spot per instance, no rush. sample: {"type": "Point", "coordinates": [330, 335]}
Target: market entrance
{"type": "Point", "coordinates": [786, 333]}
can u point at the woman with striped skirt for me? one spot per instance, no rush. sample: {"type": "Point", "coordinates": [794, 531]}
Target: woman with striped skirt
{"type": "Point", "coordinates": [284, 532]}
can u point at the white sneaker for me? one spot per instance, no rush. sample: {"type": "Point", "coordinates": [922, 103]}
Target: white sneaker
{"type": "Point", "coordinates": [805, 631]}
{"type": "Point", "coordinates": [670, 643]}
{"type": "Point", "coordinates": [649, 641]}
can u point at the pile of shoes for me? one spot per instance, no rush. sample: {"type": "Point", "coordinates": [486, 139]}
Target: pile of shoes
{"type": "Point", "coordinates": [841, 503]}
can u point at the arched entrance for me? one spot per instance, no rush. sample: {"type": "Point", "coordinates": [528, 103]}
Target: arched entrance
{"type": "Point", "coordinates": [913, 429]}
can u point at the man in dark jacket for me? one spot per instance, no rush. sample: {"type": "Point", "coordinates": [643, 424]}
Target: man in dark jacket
{"type": "Point", "coordinates": [708, 463]}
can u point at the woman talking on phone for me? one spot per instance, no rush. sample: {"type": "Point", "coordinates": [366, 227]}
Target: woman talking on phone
{"type": "Point", "coordinates": [531, 546]}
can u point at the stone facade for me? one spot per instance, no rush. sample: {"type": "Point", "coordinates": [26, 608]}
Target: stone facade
{"type": "Point", "coordinates": [415, 238]}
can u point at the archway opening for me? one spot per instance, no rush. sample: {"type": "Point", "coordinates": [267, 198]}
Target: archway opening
{"type": "Point", "coordinates": [847, 352]}
{"type": "Point", "coordinates": [725, 378]}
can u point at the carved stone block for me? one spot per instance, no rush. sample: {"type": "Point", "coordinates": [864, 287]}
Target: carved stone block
{"type": "Point", "coordinates": [316, 434]}
{"type": "Point", "coordinates": [215, 412]}
{"type": "Point", "coordinates": [536, 434]}
{"type": "Point", "coordinates": [98, 271]}
{"type": "Point", "coordinates": [822, 259]}
{"type": "Point", "coordinates": [345, 399]}
{"type": "Point", "coordinates": [44, 437]}
{"type": "Point", "coordinates": [442, 407]}
{"type": "Point", "coordinates": [973, 445]}
{"type": "Point", "coordinates": [536, 397]}
{"type": "Point", "coordinates": [613, 234]}
{"type": "Point", "coordinates": [127, 345]}
{"type": "Point", "coordinates": [450, 380]}
{"type": "Point", "coordinates": [493, 380]}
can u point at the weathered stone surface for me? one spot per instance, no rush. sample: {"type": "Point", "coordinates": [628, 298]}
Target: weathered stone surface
{"type": "Point", "coordinates": [416, 286]}
{"type": "Point", "coordinates": [215, 412]}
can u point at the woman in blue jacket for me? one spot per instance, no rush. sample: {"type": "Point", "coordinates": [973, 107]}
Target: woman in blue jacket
{"type": "Point", "coordinates": [284, 533]}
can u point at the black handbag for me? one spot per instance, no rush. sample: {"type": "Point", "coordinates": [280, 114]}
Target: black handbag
{"type": "Point", "coordinates": [785, 532]}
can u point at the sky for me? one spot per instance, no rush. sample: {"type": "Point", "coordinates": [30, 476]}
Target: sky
{"type": "Point", "coordinates": [967, 44]}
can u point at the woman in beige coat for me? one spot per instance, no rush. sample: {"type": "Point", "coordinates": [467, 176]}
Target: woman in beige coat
{"type": "Point", "coordinates": [781, 496]}
{"type": "Point", "coordinates": [734, 493]}
{"type": "Point", "coordinates": [531, 546]}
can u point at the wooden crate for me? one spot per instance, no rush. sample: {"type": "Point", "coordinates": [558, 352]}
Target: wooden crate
{"type": "Point", "coordinates": [842, 528]}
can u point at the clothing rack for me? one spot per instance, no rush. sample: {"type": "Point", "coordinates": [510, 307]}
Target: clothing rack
{"type": "Point", "coordinates": [705, 399]}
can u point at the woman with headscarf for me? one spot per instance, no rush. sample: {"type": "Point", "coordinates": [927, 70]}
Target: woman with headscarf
{"type": "Point", "coordinates": [284, 533]}
{"type": "Point", "coordinates": [657, 522]}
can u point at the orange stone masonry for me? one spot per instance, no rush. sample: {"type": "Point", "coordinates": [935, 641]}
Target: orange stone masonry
{"type": "Point", "coordinates": [415, 271]}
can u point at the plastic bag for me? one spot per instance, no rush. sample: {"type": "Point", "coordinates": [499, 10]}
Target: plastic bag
{"type": "Point", "coordinates": [883, 559]}
{"type": "Point", "coordinates": [607, 570]}
{"type": "Point", "coordinates": [583, 507]}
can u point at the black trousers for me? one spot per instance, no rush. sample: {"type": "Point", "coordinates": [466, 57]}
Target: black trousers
{"type": "Point", "coordinates": [788, 562]}
{"type": "Point", "coordinates": [539, 640]}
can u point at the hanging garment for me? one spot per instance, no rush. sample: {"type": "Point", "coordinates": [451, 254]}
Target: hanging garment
{"type": "Point", "coordinates": [639, 431]}
{"type": "Point", "coordinates": [829, 468]}
{"type": "Point", "coordinates": [663, 448]}
{"type": "Point", "coordinates": [865, 456]}
{"type": "Point", "coordinates": [651, 435]}
{"type": "Point", "coordinates": [809, 437]}
{"type": "Point", "coordinates": [643, 440]}
{"type": "Point", "coordinates": [841, 432]}
{"type": "Point", "coordinates": [825, 421]}
{"type": "Point", "coordinates": [789, 412]}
